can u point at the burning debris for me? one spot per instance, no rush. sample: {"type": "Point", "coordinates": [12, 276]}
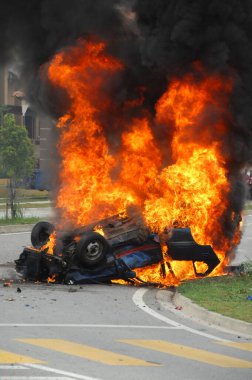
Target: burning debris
{"type": "Point", "coordinates": [152, 102]}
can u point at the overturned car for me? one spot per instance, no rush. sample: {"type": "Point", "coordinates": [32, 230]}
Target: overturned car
{"type": "Point", "coordinates": [84, 255]}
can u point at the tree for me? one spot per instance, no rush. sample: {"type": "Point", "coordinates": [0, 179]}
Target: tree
{"type": "Point", "coordinates": [17, 158]}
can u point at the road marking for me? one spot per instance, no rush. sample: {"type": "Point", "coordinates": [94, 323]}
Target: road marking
{"type": "Point", "coordinates": [190, 353]}
{"type": "Point", "coordinates": [60, 372]}
{"type": "Point", "coordinates": [85, 325]}
{"type": "Point", "coordinates": [139, 302]}
{"type": "Point", "coordinates": [11, 358]}
{"type": "Point", "coordinates": [87, 352]}
{"type": "Point", "coordinates": [241, 346]}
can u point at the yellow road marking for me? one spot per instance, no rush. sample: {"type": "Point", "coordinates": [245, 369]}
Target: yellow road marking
{"type": "Point", "coordinates": [241, 346]}
{"type": "Point", "coordinates": [87, 352]}
{"type": "Point", "coordinates": [7, 357]}
{"type": "Point", "coordinates": [189, 353]}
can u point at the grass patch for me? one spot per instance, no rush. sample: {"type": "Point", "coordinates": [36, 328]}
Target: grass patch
{"type": "Point", "coordinates": [26, 193]}
{"type": "Point", "coordinates": [225, 295]}
{"type": "Point", "coordinates": [248, 207]}
{"type": "Point", "coordinates": [31, 220]}
{"type": "Point", "coordinates": [39, 194]}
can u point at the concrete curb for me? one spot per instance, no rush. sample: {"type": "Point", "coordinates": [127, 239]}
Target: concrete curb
{"type": "Point", "coordinates": [16, 228]}
{"type": "Point", "coordinates": [204, 316]}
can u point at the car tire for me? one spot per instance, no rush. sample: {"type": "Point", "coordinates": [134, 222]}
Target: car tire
{"type": "Point", "coordinates": [91, 250]}
{"type": "Point", "coordinates": [40, 233]}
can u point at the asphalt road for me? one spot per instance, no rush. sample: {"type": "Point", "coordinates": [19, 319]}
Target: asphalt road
{"type": "Point", "coordinates": [244, 250]}
{"type": "Point", "coordinates": [55, 332]}
{"type": "Point", "coordinates": [106, 332]}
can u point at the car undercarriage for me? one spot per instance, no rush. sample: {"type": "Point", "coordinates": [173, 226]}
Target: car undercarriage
{"type": "Point", "coordinates": [84, 255]}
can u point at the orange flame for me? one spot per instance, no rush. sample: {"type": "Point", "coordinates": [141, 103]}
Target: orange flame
{"type": "Point", "coordinates": [87, 192]}
{"type": "Point", "coordinates": [50, 244]}
{"type": "Point", "coordinates": [190, 192]}
{"type": "Point", "coordinates": [99, 230]}
{"type": "Point", "coordinates": [52, 279]}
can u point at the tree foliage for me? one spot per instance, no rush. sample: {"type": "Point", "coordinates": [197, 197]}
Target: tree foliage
{"type": "Point", "coordinates": [17, 158]}
{"type": "Point", "coordinates": [16, 151]}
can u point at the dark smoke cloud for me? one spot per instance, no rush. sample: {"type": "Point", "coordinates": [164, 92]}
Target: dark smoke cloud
{"type": "Point", "coordinates": [161, 40]}
{"type": "Point", "coordinates": [217, 33]}
{"type": "Point", "coordinates": [177, 33]}
{"type": "Point", "coordinates": [32, 31]}
{"type": "Point", "coordinates": [156, 40]}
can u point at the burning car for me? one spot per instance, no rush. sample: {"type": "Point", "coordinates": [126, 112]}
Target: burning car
{"type": "Point", "coordinates": [112, 250]}
{"type": "Point", "coordinates": [159, 151]}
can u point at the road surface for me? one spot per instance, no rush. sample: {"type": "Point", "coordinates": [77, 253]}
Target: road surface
{"type": "Point", "coordinates": [106, 332]}
{"type": "Point", "coordinates": [56, 332]}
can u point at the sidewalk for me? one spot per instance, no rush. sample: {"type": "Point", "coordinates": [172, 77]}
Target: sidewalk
{"type": "Point", "coordinates": [40, 212]}
{"type": "Point", "coordinates": [29, 201]}
{"type": "Point", "coordinates": [243, 253]}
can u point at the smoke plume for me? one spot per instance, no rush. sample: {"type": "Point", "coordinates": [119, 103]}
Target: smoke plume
{"type": "Point", "coordinates": [156, 40]}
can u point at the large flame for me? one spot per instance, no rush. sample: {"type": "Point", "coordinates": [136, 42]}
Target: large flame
{"type": "Point", "coordinates": [190, 192]}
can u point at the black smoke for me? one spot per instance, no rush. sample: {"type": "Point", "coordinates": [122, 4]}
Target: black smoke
{"type": "Point", "coordinates": [32, 31]}
{"type": "Point", "coordinates": [218, 34]}
{"type": "Point", "coordinates": [156, 40]}
{"type": "Point", "coordinates": [177, 33]}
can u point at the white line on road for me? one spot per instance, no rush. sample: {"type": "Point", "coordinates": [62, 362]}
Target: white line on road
{"type": "Point", "coordinates": [84, 325]}
{"type": "Point", "coordinates": [139, 302]}
{"type": "Point", "coordinates": [60, 372]}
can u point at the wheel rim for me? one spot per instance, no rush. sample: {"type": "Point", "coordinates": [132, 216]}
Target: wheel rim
{"type": "Point", "coordinates": [94, 250]}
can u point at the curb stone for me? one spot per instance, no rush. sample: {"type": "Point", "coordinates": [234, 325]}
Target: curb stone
{"type": "Point", "coordinates": [204, 316]}
{"type": "Point", "coordinates": [16, 228]}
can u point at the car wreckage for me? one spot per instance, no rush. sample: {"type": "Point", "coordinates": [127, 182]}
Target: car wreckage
{"type": "Point", "coordinates": [84, 255]}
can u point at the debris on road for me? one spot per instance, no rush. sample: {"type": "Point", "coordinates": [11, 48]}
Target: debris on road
{"type": "Point", "coordinates": [178, 307]}
{"type": "Point", "coordinates": [7, 285]}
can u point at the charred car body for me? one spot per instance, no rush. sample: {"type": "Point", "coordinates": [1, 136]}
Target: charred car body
{"type": "Point", "coordinates": [85, 256]}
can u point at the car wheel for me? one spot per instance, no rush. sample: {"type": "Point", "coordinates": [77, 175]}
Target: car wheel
{"type": "Point", "coordinates": [40, 233]}
{"type": "Point", "coordinates": [91, 250]}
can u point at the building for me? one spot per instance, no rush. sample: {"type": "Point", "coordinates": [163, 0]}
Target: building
{"type": "Point", "coordinates": [39, 128]}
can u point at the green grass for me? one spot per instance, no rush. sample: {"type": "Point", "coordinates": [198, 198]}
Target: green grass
{"type": "Point", "coordinates": [24, 193]}
{"type": "Point", "coordinates": [39, 194]}
{"type": "Point", "coordinates": [224, 295]}
{"type": "Point", "coordinates": [31, 220]}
